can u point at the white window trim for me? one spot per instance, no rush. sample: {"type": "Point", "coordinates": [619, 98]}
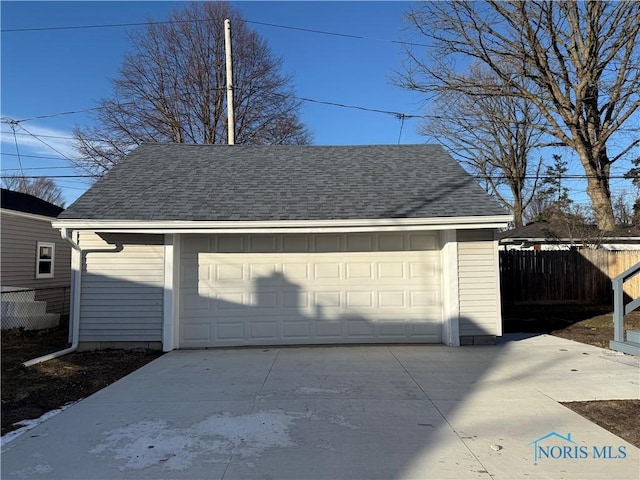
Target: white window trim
{"type": "Point", "coordinates": [38, 259]}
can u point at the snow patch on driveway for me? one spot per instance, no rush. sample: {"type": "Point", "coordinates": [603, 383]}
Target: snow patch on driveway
{"type": "Point", "coordinates": [26, 425]}
{"type": "Point", "coordinates": [219, 437]}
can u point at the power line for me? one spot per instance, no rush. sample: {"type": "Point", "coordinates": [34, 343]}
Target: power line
{"type": "Point", "coordinates": [53, 176]}
{"type": "Point", "coordinates": [35, 168]}
{"type": "Point", "coordinates": [52, 148]}
{"type": "Point", "coordinates": [253, 22]}
{"type": "Point", "coordinates": [46, 144]}
{"type": "Point", "coordinates": [103, 25]}
{"type": "Point", "coordinates": [398, 115]}
{"type": "Point", "coordinates": [35, 156]}
{"type": "Point", "coordinates": [401, 125]}
{"type": "Point", "coordinates": [58, 114]}
{"type": "Point", "coordinates": [42, 135]}
{"type": "Point", "coordinates": [13, 127]}
{"type": "Point", "coordinates": [336, 34]}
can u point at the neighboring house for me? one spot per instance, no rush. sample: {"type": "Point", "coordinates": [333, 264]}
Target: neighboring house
{"type": "Point", "coordinates": [191, 246]}
{"type": "Point", "coordinates": [33, 257]}
{"type": "Point", "coordinates": [559, 236]}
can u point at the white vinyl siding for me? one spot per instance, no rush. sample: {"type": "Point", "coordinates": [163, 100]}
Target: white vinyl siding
{"type": "Point", "coordinates": [478, 285]}
{"type": "Point", "coordinates": [310, 289]}
{"type": "Point", "coordinates": [20, 235]}
{"type": "Point", "coordinates": [122, 287]}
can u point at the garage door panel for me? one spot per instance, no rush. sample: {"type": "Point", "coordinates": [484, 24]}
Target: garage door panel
{"type": "Point", "coordinates": [264, 330]}
{"type": "Point", "coordinates": [360, 299]}
{"type": "Point", "coordinates": [331, 271]}
{"type": "Point", "coordinates": [326, 331]}
{"type": "Point", "coordinates": [421, 329]}
{"type": "Point", "coordinates": [228, 272]}
{"type": "Point", "coordinates": [391, 270]}
{"type": "Point", "coordinates": [296, 330]}
{"type": "Point", "coordinates": [423, 299]}
{"type": "Point", "coordinates": [327, 243]}
{"type": "Point", "coordinates": [229, 331]}
{"type": "Point", "coordinates": [394, 299]}
{"type": "Point", "coordinates": [344, 288]}
{"type": "Point", "coordinates": [264, 299]}
{"type": "Point", "coordinates": [359, 243]}
{"type": "Point", "coordinates": [391, 242]}
{"type": "Point", "coordinates": [293, 300]}
{"type": "Point", "coordinates": [327, 299]}
{"type": "Point", "coordinates": [195, 244]}
{"type": "Point", "coordinates": [294, 271]}
{"type": "Point", "coordinates": [190, 302]}
{"type": "Point", "coordinates": [229, 301]}
{"type": "Point", "coordinates": [424, 269]}
{"type": "Point", "coordinates": [390, 329]}
{"type": "Point", "coordinates": [422, 242]}
{"type": "Point", "coordinates": [227, 244]}
{"type": "Point", "coordinates": [359, 270]}
{"type": "Point", "coordinates": [197, 332]}
{"type": "Point", "coordinates": [360, 329]}
{"type": "Point", "coordinates": [295, 244]}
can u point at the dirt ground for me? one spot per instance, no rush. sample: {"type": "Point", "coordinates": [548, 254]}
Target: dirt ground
{"type": "Point", "coordinates": [620, 417]}
{"type": "Point", "coordinates": [27, 393]}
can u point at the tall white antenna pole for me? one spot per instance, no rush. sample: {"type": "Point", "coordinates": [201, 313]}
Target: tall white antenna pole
{"type": "Point", "coordinates": [227, 49]}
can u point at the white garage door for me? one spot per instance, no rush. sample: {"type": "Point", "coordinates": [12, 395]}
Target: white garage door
{"type": "Point", "coordinates": [309, 289]}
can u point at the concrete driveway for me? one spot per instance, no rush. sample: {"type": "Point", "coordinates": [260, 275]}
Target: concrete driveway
{"type": "Point", "coordinates": [370, 412]}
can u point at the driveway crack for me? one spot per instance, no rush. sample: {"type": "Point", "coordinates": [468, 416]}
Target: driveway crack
{"type": "Point", "coordinates": [444, 418]}
{"type": "Point", "coordinates": [255, 399]}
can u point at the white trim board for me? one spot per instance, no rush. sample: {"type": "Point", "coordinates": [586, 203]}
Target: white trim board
{"type": "Point", "coordinates": [287, 226]}
{"type": "Point", "coordinates": [32, 216]}
{"type": "Point", "coordinates": [169, 287]}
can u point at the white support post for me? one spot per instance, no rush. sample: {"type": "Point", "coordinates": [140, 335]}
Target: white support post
{"type": "Point", "coordinates": [450, 290]}
{"type": "Point", "coordinates": [168, 316]}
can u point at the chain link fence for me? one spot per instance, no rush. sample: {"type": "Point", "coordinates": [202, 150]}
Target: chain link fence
{"type": "Point", "coordinates": [34, 308]}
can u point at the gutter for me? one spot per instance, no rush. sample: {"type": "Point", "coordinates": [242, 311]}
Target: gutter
{"type": "Point", "coordinates": [74, 317]}
{"type": "Point", "coordinates": [284, 226]}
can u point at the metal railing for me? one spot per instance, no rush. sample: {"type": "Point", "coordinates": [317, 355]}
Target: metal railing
{"type": "Point", "coordinates": [34, 308]}
{"type": "Point", "coordinates": [620, 309]}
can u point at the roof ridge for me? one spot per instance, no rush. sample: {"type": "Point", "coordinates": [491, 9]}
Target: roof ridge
{"type": "Point", "coordinates": [290, 146]}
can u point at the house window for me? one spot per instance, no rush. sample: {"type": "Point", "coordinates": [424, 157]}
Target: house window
{"type": "Point", "coordinates": [44, 259]}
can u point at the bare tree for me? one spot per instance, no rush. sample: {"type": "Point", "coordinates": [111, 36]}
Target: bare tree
{"type": "Point", "coordinates": [623, 208]}
{"type": "Point", "coordinates": [582, 57]}
{"type": "Point", "coordinates": [494, 136]}
{"type": "Point", "coordinates": [634, 176]}
{"type": "Point", "coordinates": [551, 199]}
{"type": "Point", "coordinates": [41, 187]}
{"type": "Point", "coordinates": [171, 88]}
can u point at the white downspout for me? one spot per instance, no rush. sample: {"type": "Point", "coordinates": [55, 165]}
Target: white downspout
{"type": "Point", "coordinates": [74, 316]}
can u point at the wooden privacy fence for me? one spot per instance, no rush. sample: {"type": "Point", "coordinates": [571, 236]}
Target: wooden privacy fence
{"type": "Point", "coordinates": [576, 276]}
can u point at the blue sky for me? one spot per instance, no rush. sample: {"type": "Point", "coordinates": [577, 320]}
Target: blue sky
{"type": "Point", "coordinates": [49, 72]}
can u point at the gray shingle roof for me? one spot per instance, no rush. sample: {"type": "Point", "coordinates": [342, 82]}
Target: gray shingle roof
{"type": "Point", "coordinates": [23, 202]}
{"type": "Point", "coordinates": [283, 182]}
{"type": "Point", "coordinates": [565, 232]}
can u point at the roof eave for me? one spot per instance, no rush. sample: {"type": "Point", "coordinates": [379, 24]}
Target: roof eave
{"type": "Point", "coordinates": [32, 216]}
{"type": "Point", "coordinates": [568, 240]}
{"type": "Point", "coordinates": [285, 226]}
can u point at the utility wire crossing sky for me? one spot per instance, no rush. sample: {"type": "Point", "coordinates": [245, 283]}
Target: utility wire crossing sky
{"type": "Point", "coordinates": [57, 58]}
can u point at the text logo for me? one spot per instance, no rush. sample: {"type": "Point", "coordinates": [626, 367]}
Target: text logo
{"type": "Point", "coordinates": [554, 446]}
